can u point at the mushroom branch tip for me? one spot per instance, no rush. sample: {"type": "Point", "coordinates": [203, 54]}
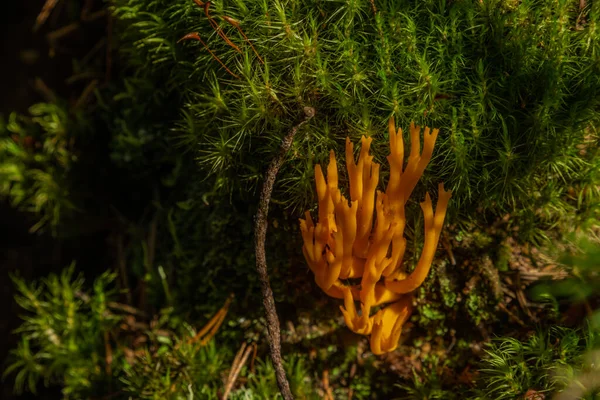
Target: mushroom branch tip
{"type": "Point", "coordinates": [363, 237]}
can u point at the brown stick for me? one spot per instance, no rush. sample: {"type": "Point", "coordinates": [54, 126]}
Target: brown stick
{"type": "Point", "coordinates": [260, 233]}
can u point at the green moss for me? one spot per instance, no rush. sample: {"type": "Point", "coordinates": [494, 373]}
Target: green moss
{"type": "Point", "coordinates": [512, 113]}
{"type": "Point", "coordinates": [478, 307]}
{"type": "Point", "coordinates": [37, 162]}
{"type": "Point", "coordinates": [504, 253]}
{"type": "Point", "coordinates": [547, 362]}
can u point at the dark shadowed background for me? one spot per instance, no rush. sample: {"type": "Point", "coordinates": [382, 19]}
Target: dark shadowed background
{"type": "Point", "coordinates": [26, 62]}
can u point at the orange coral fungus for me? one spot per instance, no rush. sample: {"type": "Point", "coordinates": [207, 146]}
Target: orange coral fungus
{"type": "Point", "coordinates": [364, 238]}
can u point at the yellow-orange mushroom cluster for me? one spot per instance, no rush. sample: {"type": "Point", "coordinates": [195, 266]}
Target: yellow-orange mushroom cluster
{"type": "Point", "coordinates": [364, 238]}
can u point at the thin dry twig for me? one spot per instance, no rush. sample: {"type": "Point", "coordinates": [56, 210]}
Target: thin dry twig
{"type": "Point", "coordinates": [328, 392]}
{"type": "Point", "coordinates": [86, 93]}
{"type": "Point", "coordinates": [237, 359]}
{"type": "Point", "coordinates": [220, 32]}
{"type": "Point", "coordinates": [530, 275]}
{"type": "Point", "coordinates": [448, 248]}
{"type": "Point", "coordinates": [62, 32]}
{"type": "Point", "coordinates": [126, 309]}
{"type": "Point", "coordinates": [260, 233]}
{"type": "Point", "coordinates": [522, 299]}
{"type": "Point", "coordinates": [108, 354]}
{"type": "Point", "coordinates": [236, 24]}
{"type": "Point", "coordinates": [352, 373]}
{"type": "Point", "coordinates": [254, 353]}
{"type": "Point", "coordinates": [91, 55]}
{"type": "Point", "coordinates": [196, 36]}
{"type": "Point", "coordinates": [44, 90]}
{"type": "Point", "coordinates": [236, 367]}
{"type": "Point", "coordinates": [211, 327]}
{"type": "Point", "coordinates": [44, 14]}
{"type": "Point", "coordinates": [581, 20]}
{"type": "Point", "coordinates": [218, 29]}
{"type": "Point", "coordinates": [509, 292]}
{"type": "Point", "coordinates": [109, 32]}
{"type": "Point", "coordinates": [511, 315]}
{"type": "Point", "coordinates": [87, 15]}
{"type": "Point", "coordinates": [123, 268]}
{"type": "Point", "coordinates": [151, 241]}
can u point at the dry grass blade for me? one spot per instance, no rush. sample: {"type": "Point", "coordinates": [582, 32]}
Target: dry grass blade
{"type": "Point", "coordinates": [87, 15]}
{"type": "Point", "coordinates": [236, 24]}
{"type": "Point", "coordinates": [127, 308]}
{"type": "Point", "coordinates": [240, 360]}
{"type": "Point", "coordinates": [44, 14]}
{"type": "Point", "coordinates": [328, 392]}
{"type": "Point", "coordinates": [522, 299]}
{"type": "Point", "coordinates": [352, 373]}
{"type": "Point", "coordinates": [44, 90]}
{"type": "Point", "coordinates": [196, 36]}
{"type": "Point", "coordinates": [254, 353]}
{"type": "Point", "coordinates": [109, 354]}
{"type": "Point", "coordinates": [511, 315]}
{"type": "Point", "coordinates": [448, 248]}
{"type": "Point", "coordinates": [214, 329]}
{"type": "Point", "coordinates": [122, 262]}
{"type": "Point", "coordinates": [210, 329]}
{"type": "Point", "coordinates": [86, 93]}
{"type": "Point", "coordinates": [218, 29]}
